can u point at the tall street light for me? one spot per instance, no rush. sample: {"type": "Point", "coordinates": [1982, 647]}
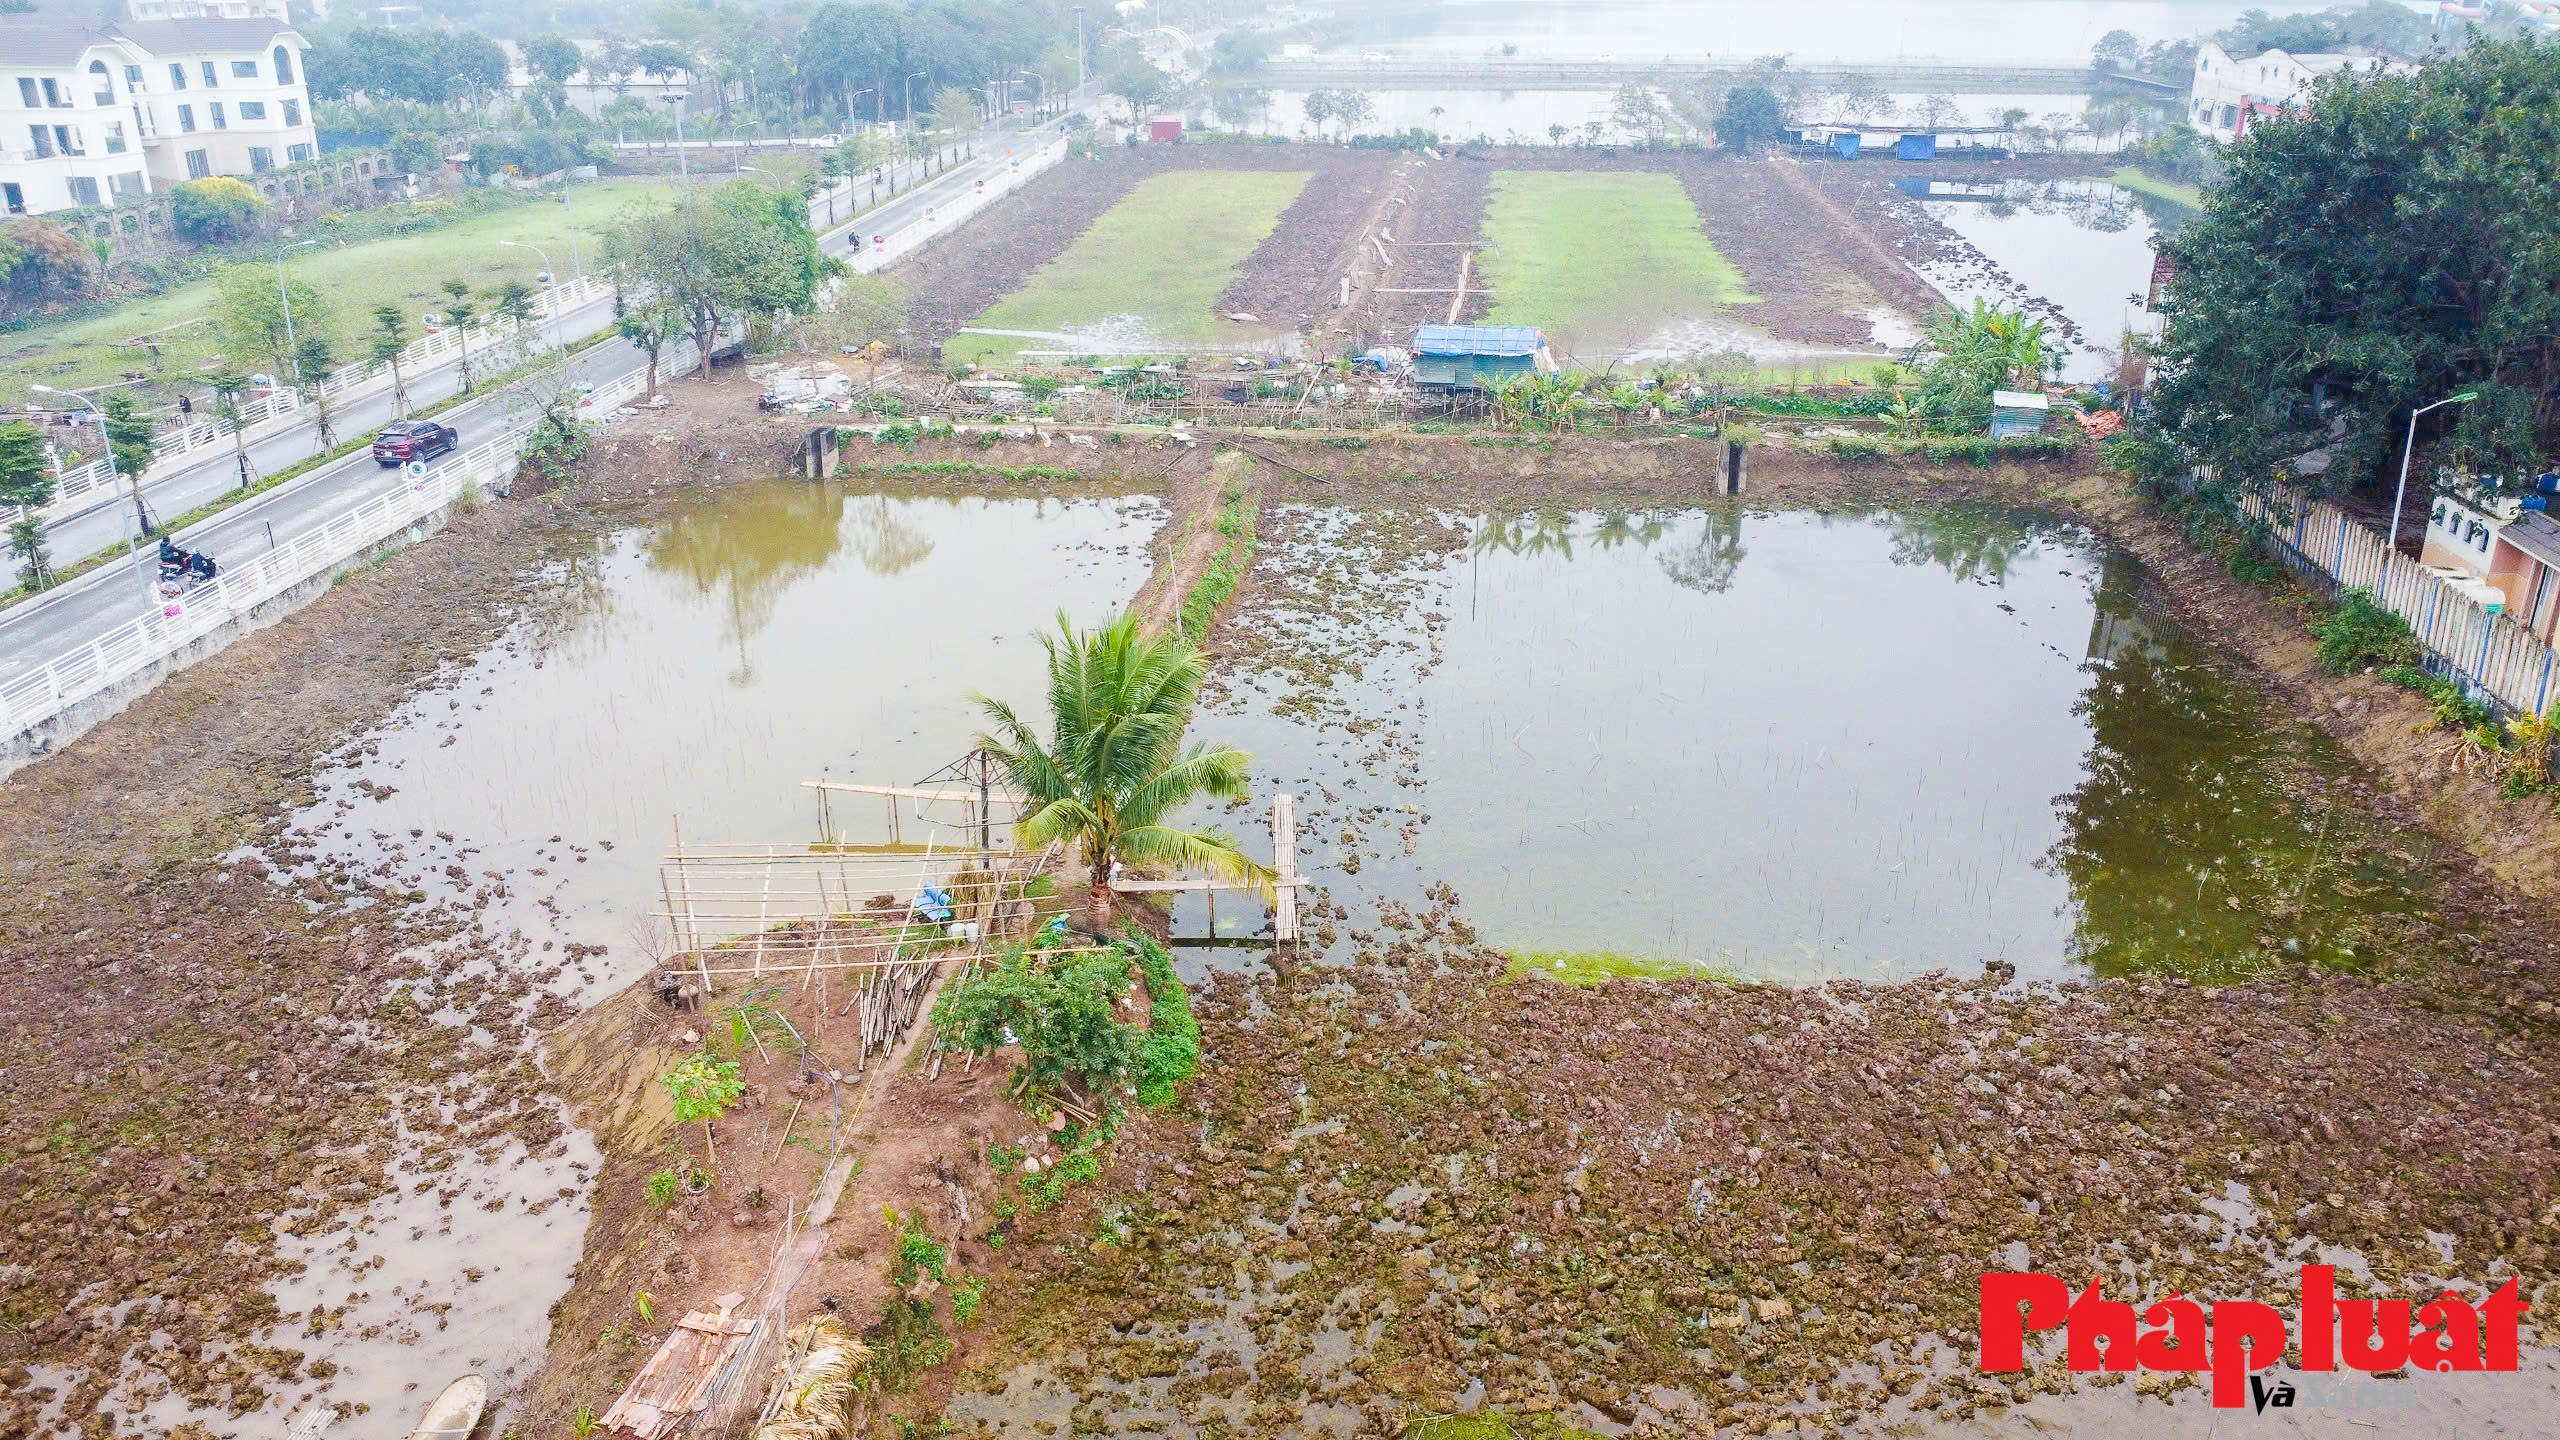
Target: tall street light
{"type": "Point", "coordinates": [141, 522]}
{"type": "Point", "coordinates": [2401, 494]}
{"type": "Point", "coordinates": [546, 269]}
{"type": "Point", "coordinates": [684, 174]}
{"type": "Point", "coordinates": [1079, 53]}
{"type": "Point", "coordinates": [292, 350]}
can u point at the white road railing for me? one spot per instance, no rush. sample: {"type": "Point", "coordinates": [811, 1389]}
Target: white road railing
{"type": "Point", "coordinates": [80, 480]}
{"type": "Point", "coordinates": [898, 244]}
{"type": "Point", "coordinates": [30, 699]}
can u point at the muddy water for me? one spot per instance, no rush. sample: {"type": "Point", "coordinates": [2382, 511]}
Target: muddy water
{"type": "Point", "coordinates": [1796, 745]}
{"type": "Point", "coordinates": [702, 668]}
{"type": "Point", "coordinates": [1635, 31]}
{"type": "Point", "coordinates": [705, 669]}
{"type": "Point", "coordinates": [2082, 247]}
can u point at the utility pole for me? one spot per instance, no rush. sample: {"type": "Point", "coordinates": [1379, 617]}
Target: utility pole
{"type": "Point", "coordinates": [1079, 52]}
{"type": "Point", "coordinates": [986, 829]}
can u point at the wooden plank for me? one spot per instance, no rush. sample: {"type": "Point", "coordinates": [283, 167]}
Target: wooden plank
{"type": "Point", "coordinates": [917, 792]}
{"type": "Point", "coordinates": [1134, 887]}
{"type": "Point", "coordinates": [1284, 860]}
{"type": "Point", "coordinates": [832, 1191]}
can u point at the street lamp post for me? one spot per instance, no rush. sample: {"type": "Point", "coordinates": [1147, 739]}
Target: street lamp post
{"type": "Point", "coordinates": [911, 100]}
{"type": "Point", "coordinates": [1079, 53]}
{"type": "Point", "coordinates": [292, 350]}
{"type": "Point", "coordinates": [546, 268]}
{"type": "Point", "coordinates": [684, 173]}
{"type": "Point", "coordinates": [2406, 450]}
{"type": "Point", "coordinates": [141, 518]}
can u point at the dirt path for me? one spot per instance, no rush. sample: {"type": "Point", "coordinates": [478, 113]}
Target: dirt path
{"type": "Point", "coordinates": [1188, 542]}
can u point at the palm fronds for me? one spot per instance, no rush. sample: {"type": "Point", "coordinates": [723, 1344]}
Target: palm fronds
{"type": "Point", "coordinates": [1115, 765]}
{"type": "Point", "coordinates": [816, 1399]}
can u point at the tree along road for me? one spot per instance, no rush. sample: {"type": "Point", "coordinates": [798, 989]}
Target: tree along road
{"type": "Point", "coordinates": [210, 472]}
{"type": "Point", "coordinates": [43, 629]}
{"type": "Point", "coordinates": [51, 625]}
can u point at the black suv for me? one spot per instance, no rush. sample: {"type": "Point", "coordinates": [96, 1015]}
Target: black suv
{"type": "Point", "coordinates": [413, 440]}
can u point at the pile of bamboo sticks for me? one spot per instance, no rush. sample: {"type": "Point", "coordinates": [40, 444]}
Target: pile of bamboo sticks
{"type": "Point", "coordinates": [889, 999]}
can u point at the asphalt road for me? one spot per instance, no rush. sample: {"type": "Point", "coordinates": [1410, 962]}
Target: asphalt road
{"type": "Point", "coordinates": [48, 627]}
{"type": "Point", "coordinates": [51, 625]}
{"type": "Point", "coordinates": [212, 471]}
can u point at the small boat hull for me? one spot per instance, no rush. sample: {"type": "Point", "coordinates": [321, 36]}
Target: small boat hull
{"type": "Point", "coordinates": [456, 1412]}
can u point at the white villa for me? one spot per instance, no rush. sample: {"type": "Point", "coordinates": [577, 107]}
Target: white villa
{"type": "Point", "coordinates": [2228, 91]}
{"type": "Point", "coordinates": [93, 116]}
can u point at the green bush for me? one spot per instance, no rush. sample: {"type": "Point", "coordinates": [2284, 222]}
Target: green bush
{"type": "Point", "coordinates": [2453, 709]}
{"type": "Point", "coordinates": [1855, 447]}
{"type": "Point", "coordinates": [2361, 633]}
{"type": "Point", "coordinates": [1058, 1008]}
{"type": "Point", "coordinates": [1171, 1052]}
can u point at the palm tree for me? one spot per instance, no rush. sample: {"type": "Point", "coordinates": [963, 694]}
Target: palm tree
{"type": "Point", "coordinates": [1119, 700]}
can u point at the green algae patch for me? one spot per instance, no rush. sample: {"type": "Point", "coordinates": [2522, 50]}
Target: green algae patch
{"type": "Point", "coordinates": [1598, 967]}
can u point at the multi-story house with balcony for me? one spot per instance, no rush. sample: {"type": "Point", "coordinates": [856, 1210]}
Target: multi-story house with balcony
{"type": "Point", "coordinates": [104, 116]}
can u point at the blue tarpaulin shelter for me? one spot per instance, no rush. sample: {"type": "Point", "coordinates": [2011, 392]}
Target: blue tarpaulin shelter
{"type": "Point", "coordinates": [1470, 357]}
{"type": "Point", "coordinates": [1846, 143]}
{"type": "Point", "coordinates": [1916, 147]}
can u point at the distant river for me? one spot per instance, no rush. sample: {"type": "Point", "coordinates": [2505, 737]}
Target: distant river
{"type": "Point", "coordinates": [2045, 32]}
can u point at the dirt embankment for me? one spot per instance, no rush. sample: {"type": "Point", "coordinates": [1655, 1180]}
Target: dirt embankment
{"type": "Point", "coordinates": [199, 1046]}
{"type": "Point", "coordinates": [1436, 235]}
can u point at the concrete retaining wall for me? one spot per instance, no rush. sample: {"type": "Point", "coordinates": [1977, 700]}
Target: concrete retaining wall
{"type": "Point", "coordinates": [43, 738]}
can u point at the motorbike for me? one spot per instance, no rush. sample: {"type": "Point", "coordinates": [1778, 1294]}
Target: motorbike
{"type": "Point", "coordinates": [177, 565]}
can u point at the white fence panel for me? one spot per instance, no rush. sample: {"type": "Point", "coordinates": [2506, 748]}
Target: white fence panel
{"type": "Point", "coordinates": [2490, 653]}
{"type": "Point", "coordinates": [31, 699]}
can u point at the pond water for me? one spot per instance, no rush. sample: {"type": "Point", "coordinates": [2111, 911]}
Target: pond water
{"type": "Point", "coordinates": [2083, 246]}
{"type": "Point", "coordinates": [701, 668]}
{"type": "Point", "coordinates": [704, 669]}
{"type": "Point", "coordinates": [1792, 744]}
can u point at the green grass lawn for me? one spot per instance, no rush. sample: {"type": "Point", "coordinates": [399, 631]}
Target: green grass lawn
{"type": "Point", "coordinates": [404, 270]}
{"type": "Point", "coordinates": [1600, 262]}
{"type": "Point", "coordinates": [1163, 254]}
{"type": "Point", "coordinates": [2133, 179]}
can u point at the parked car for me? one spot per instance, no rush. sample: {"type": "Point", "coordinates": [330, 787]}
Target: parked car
{"type": "Point", "coordinates": [1372, 57]}
{"type": "Point", "coordinates": [403, 440]}
{"type": "Point", "coordinates": [828, 141]}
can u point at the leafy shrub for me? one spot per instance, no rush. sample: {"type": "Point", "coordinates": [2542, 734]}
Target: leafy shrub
{"type": "Point", "coordinates": [1057, 1007]}
{"type": "Point", "coordinates": [662, 1189]}
{"type": "Point", "coordinates": [215, 209]}
{"type": "Point", "coordinates": [918, 1254]}
{"type": "Point", "coordinates": [2361, 633]}
{"type": "Point", "coordinates": [1171, 1051]}
{"type": "Point", "coordinates": [966, 1297]}
{"type": "Point", "coordinates": [1855, 447]}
